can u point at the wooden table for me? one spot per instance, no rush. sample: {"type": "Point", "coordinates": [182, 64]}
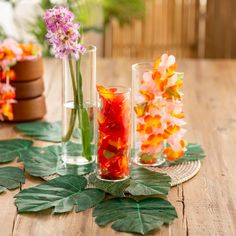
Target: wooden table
{"type": "Point", "coordinates": [206, 205]}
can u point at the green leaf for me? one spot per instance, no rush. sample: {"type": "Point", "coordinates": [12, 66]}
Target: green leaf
{"type": "Point", "coordinates": [128, 215]}
{"type": "Point", "coordinates": [85, 133]}
{"type": "Point", "coordinates": [41, 130]}
{"type": "Point", "coordinates": [115, 188]}
{"type": "Point", "coordinates": [84, 122]}
{"type": "Point", "coordinates": [2, 34]}
{"type": "Point", "coordinates": [89, 198]}
{"type": "Point", "coordinates": [46, 161]}
{"type": "Point", "coordinates": [142, 182]}
{"type": "Point", "coordinates": [124, 11]}
{"type": "Point", "coordinates": [194, 152]}
{"type": "Point", "coordinates": [41, 161]}
{"type": "Point", "coordinates": [10, 149]}
{"type": "Point", "coordinates": [11, 178]}
{"type": "Point", "coordinates": [60, 193]}
{"type": "Point", "coordinates": [146, 182]}
{"type": "Point", "coordinates": [2, 189]}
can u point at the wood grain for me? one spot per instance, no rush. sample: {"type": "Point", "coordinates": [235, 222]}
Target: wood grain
{"type": "Point", "coordinates": [220, 29]}
{"type": "Point", "coordinates": [170, 26]}
{"type": "Point", "coordinates": [206, 205]}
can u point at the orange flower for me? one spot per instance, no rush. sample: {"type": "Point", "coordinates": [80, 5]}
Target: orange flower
{"type": "Point", "coordinates": [1, 54]}
{"type": "Point", "coordinates": [161, 84]}
{"type": "Point", "coordinates": [170, 71]}
{"type": "Point", "coordinates": [180, 115]}
{"type": "Point", "coordinates": [170, 130]}
{"type": "Point", "coordinates": [29, 50]}
{"type": "Point", "coordinates": [10, 74]}
{"type": "Point", "coordinates": [172, 92]}
{"type": "Point", "coordinates": [153, 121]}
{"type": "Point", "coordinates": [172, 155]}
{"type": "Point", "coordinates": [140, 109]}
{"type": "Point", "coordinates": [141, 128]}
{"type": "Point", "coordinates": [150, 122]}
{"type": "Point", "coordinates": [163, 69]}
{"type": "Point", "coordinates": [152, 140]}
{"type": "Point", "coordinates": [7, 110]}
{"type": "Point", "coordinates": [147, 95]}
{"type": "Point", "coordinates": [8, 95]}
{"type": "Point", "coordinates": [106, 93]}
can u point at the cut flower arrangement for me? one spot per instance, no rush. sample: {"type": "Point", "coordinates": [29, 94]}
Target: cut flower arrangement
{"type": "Point", "coordinates": [63, 34]}
{"type": "Point", "coordinates": [138, 203]}
{"type": "Point", "coordinates": [159, 114]}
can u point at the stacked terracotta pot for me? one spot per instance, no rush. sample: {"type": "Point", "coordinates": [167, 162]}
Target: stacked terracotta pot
{"type": "Point", "coordinates": [29, 87]}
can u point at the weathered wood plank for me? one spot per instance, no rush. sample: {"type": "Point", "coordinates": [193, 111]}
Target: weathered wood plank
{"type": "Point", "coordinates": [170, 26]}
{"type": "Point", "coordinates": [220, 29]}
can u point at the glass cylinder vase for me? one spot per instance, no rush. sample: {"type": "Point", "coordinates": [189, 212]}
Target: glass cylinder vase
{"type": "Point", "coordinates": [78, 108]}
{"type": "Point", "coordinates": [114, 133]}
{"type": "Point", "coordinates": [147, 144]}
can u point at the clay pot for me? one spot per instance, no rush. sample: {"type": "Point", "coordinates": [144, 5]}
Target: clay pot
{"type": "Point", "coordinates": [30, 109]}
{"type": "Point", "coordinates": [29, 69]}
{"type": "Point", "coordinates": [29, 89]}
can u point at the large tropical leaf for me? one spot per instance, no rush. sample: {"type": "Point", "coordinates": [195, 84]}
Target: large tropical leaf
{"type": "Point", "coordinates": [194, 152]}
{"type": "Point", "coordinates": [12, 148]}
{"type": "Point", "coordinates": [142, 182]}
{"type": "Point", "coordinates": [11, 178]}
{"type": "Point", "coordinates": [114, 188]}
{"type": "Point", "coordinates": [61, 194]}
{"type": "Point", "coordinates": [89, 198]}
{"type": "Point", "coordinates": [47, 161]}
{"type": "Point", "coordinates": [129, 215]}
{"type": "Point", "coordinates": [41, 161]}
{"type": "Point", "coordinates": [146, 182]}
{"type": "Point", "coordinates": [41, 130]}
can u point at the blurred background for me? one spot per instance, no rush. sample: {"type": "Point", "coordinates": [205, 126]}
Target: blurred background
{"type": "Point", "coordinates": [134, 28]}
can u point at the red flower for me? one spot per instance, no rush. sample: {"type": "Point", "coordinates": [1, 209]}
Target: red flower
{"type": "Point", "coordinates": [114, 128]}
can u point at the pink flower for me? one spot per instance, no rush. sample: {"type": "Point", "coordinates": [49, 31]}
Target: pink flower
{"type": "Point", "coordinates": [165, 62]}
{"type": "Point", "coordinates": [62, 33]}
{"type": "Point", "coordinates": [174, 140]}
{"type": "Point", "coordinates": [11, 51]}
{"type": "Point", "coordinates": [149, 85]}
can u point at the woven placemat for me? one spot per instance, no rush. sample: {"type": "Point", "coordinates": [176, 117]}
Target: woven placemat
{"type": "Point", "coordinates": [179, 173]}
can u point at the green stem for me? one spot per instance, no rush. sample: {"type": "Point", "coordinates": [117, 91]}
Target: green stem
{"type": "Point", "coordinates": [71, 126]}
{"type": "Point", "coordinates": [79, 82]}
{"type": "Point", "coordinates": [73, 81]}
{"type": "Point", "coordinates": [73, 112]}
{"type": "Point", "coordinates": [84, 123]}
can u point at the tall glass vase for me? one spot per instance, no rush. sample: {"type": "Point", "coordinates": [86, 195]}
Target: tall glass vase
{"type": "Point", "coordinates": [114, 132]}
{"type": "Point", "coordinates": [78, 108]}
{"type": "Point", "coordinates": [147, 145]}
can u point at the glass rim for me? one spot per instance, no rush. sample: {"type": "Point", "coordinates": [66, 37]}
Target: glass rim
{"type": "Point", "coordinates": [90, 48]}
{"type": "Point", "coordinates": [139, 64]}
{"type": "Point", "coordinates": [126, 89]}
{"type": "Point", "coordinates": [150, 64]}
